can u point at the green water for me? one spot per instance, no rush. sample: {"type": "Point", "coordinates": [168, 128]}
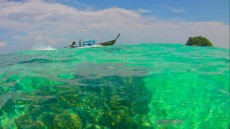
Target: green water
{"type": "Point", "coordinates": [144, 86]}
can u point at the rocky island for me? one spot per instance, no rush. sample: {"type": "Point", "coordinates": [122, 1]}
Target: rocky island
{"type": "Point", "coordinates": [198, 41]}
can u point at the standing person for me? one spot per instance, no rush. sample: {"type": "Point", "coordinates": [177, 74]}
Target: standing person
{"type": "Point", "coordinates": [80, 42]}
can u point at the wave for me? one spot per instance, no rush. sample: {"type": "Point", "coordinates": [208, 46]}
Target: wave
{"type": "Point", "coordinates": [44, 48]}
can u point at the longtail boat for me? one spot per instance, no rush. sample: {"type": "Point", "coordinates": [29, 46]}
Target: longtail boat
{"type": "Point", "coordinates": [108, 43]}
{"type": "Point", "coordinates": [93, 43]}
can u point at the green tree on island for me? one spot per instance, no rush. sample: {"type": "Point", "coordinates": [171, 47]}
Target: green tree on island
{"type": "Point", "coordinates": [198, 41]}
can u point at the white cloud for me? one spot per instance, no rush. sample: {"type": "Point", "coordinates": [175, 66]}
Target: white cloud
{"type": "Point", "coordinates": [173, 9]}
{"type": "Point", "coordinates": [56, 24]}
{"type": "Point", "coordinates": [3, 43]}
{"type": "Point", "coordinates": [140, 10]}
{"type": "Point", "coordinates": [17, 37]}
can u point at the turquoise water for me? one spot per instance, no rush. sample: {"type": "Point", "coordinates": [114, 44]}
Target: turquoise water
{"type": "Point", "coordinates": [162, 86]}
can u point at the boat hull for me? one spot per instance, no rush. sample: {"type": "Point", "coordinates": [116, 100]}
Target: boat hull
{"type": "Point", "coordinates": [108, 43]}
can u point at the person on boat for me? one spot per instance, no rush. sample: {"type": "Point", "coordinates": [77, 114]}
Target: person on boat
{"type": "Point", "coordinates": [73, 44]}
{"type": "Point", "coordinates": [80, 42]}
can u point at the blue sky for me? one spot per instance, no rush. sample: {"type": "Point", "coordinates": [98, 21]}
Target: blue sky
{"type": "Point", "coordinates": [196, 10]}
{"type": "Point", "coordinates": [33, 24]}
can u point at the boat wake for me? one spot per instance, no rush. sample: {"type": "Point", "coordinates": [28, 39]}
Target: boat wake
{"type": "Point", "coordinates": [44, 48]}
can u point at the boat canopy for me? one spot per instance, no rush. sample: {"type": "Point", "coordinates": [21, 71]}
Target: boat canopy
{"type": "Point", "coordinates": [88, 42]}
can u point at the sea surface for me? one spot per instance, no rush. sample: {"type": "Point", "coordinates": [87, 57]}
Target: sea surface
{"type": "Point", "coordinates": [143, 86]}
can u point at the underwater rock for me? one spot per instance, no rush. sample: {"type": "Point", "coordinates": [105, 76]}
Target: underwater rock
{"type": "Point", "coordinates": [26, 122]}
{"type": "Point", "coordinates": [8, 107]}
{"type": "Point", "coordinates": [138, 104]}
{"type": "Point", "coordinates": [67, 121]}
{"type": "Point", "coordinates": [93, 126]}
{"type": "Point", "coordinates": [48, 99]}
{"type": "Point", "coordinates": [70, 99]}
{"type": "Point", "coordinates": [121, 102]}
{"type": "Point", "coordinates": [108, 102]}
{"type": "Point", "coordinates": [48, 118]}
{"type": "Point", "coordinates": [116, 102]}
{"type": "Point", "coordinates": [11, 105]}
